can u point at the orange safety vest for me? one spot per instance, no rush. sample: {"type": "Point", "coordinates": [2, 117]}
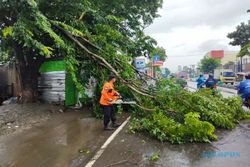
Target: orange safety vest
{"type": "Point", "coordinates": [106, 95]}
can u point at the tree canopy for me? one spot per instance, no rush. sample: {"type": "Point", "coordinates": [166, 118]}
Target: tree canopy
{"type": "Point", "coordinates": [159, 51]}
{"type": "Point", "coordinates": [208, 64]}
{"type": "Point", "coordinates": [32, 31]}
{"type": "Point", "coordinates": [241, 37]}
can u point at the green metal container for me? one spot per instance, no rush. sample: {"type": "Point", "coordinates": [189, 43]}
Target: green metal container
{"type": "Point", "coordinates": [56, 84]}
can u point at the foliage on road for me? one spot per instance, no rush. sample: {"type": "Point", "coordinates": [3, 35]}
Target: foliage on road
{"type": "Point", "coordinates": [155, 156]}
{"type": "Point", "coordinates": [183, 116]}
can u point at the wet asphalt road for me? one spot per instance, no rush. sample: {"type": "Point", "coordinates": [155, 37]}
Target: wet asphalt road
{"type": "Point", "coordinates": [68, 140]}
{"type": "Point", "coordinates": [226, 92]}
{"type": "Point", "coordinates": [135, 150]}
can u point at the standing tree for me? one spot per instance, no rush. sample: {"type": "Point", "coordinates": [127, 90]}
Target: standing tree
{"type": "Point", "coordinates": [241, 37]}
{"type": "Point", "coordinates": [159, 51]}
{"type": "Point", "coordinates": [207, 64]}
{"type": "Point", "coordinates": [185, 68]}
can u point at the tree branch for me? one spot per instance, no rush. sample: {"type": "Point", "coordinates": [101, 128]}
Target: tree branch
{"type": "Point", "coordinates": [70, 36]}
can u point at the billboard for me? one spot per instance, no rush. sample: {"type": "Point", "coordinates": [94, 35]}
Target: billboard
{"type": "Point", "coordinates": [217, 54]}
{"type": "Point", "coordinates": [156, 58]}
{"type": "Point", "coordinates": [157, 61]}
{"type": "Point", "coordinates": [140, 63]}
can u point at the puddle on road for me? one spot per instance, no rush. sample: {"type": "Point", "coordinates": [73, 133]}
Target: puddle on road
{"type": "Point", "coordinates": [55, 144]}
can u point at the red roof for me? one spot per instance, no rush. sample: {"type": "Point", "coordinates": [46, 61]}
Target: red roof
{"type": "Point", "coordinates": [217, 54]}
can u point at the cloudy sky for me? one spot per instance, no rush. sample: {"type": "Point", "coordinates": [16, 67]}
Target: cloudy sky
{"type": "Point", "coordinates": [188, 29]}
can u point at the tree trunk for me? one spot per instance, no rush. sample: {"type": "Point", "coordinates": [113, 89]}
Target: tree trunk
{"type": "Point", "coordinates": [28, 71]}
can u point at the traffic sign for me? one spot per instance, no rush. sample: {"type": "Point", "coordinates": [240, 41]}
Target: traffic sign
{"type": "Point", "coordinates": [156, 58]}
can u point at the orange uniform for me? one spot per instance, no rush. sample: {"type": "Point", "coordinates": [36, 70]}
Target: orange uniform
{"type": "Point", "coordinates": [108, 94]}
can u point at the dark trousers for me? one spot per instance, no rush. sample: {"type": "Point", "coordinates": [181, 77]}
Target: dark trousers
{"type": "Point", "coordinates": [109, 114]}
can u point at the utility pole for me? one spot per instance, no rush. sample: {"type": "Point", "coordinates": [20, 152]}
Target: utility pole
{"type": "Point", "coordinates": [241, 65]}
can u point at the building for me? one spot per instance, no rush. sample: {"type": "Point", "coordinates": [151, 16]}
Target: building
{"type": "Point", "coordinates": [245, 61]}
{"type": "Point", "coordinates": [229, 60]}
{"type": "Point", "coordinates": [224, 56]}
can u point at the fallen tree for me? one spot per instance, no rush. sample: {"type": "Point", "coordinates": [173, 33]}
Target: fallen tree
{"type": "Point", "coordinates": [177, 115]}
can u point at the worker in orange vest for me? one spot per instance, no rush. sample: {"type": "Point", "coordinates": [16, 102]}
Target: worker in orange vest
{"type": "Point", "coordinates": [109, 95]}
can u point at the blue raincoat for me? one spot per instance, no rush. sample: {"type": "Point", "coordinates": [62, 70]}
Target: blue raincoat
{"type": "Point", "coordinates": [200, 82]}
{"type": "Point", "coordinates": [244, 89]}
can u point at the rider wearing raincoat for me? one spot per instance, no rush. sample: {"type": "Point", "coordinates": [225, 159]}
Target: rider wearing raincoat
{"type": "Point", "coordinates": [244, 88]}
{"type": "Point", "coordinates": [200, 81]}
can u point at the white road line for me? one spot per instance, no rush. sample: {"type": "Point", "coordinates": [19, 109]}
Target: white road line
{"type": "Point", "coordinates": [105, 145]}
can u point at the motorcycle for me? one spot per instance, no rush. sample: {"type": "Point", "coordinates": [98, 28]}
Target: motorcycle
{"type": "Point", "coordinates": [245, 101]}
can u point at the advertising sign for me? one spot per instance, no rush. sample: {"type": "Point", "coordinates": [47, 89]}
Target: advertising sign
{"type": "Point", "coordinates": [140, 63]}
{"type": "Point", "coordinates": [156, 58]}
{"type": "Point", "coordinates": [157, 61]}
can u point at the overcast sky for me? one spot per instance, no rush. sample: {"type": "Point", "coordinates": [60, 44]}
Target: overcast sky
{"type": "Point", "coordinates": [188, 29]}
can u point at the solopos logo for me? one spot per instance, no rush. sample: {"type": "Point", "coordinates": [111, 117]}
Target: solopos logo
{"type": "Point", "coordinates": [219, 154]}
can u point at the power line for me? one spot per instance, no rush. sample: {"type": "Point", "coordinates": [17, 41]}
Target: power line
{"type": "Point", "coordinates": [185, 56]}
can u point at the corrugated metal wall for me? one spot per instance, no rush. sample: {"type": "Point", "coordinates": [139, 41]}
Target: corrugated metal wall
{"type": "Point", "coordinates": [52, 86]}
{"type": "Point", "coordinates": [9, 80]}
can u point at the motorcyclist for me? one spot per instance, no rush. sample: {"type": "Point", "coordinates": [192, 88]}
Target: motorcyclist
{"type": "Point", "coordinates": [244, 88]}
{"type": "Point", "coordinates": [211, 82]}
{"type": "Point", "coordinates": [200, 81]}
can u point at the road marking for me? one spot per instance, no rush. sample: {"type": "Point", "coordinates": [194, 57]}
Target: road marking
{"type": "Point", "coordinates": [105, 145]}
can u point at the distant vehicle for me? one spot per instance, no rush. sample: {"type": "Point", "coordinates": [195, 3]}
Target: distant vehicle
{"type": "Point", "coordinates": [226, 76]}
{"type": "Point", "coordinates": [183, 75]}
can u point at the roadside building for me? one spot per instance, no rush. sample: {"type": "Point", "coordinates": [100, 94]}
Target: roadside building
{"type": "Point", "coordinates": [228, 58]}
{"type": "Point", "coordinates": [245, 61]}
{"type": "Point", "coordinates": [224, 56]}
